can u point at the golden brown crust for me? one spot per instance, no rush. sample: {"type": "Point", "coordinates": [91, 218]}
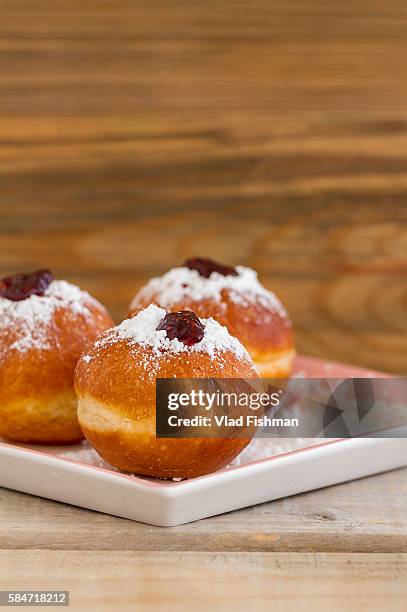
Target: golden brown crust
{"type": "Point", "coordinates": [46, 420]}
{"type": "Point", "coordinates": [43, 377]}
{"type": "Point", "coordinates": [163, 458]}
{"type": "Point", "coordinates": [261, 329]}
{"type": "Point", "coordinates": [123, 377]}
{"type": "Point", "coordinates": [277, 364]}
{"type": "Point", "coordinates": [115, 385]}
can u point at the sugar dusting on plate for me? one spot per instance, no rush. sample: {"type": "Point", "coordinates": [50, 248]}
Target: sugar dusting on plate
{"type": "Point", "coordinates": [84, 453]}
{"type": "Point", "coordinates": [29, 320]}
{"type": "Point", "coordinates": [264, 448]}
{"type": "Point", "coordinates": [258, 449]}
{"type": "Point", "coordinates": [180, 284]}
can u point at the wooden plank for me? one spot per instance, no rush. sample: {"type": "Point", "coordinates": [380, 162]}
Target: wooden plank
{"type": "Point", "coordinates": [271, 134]}
{"type": "Point", "coordinates": [316, 204]}
{"type": "Point", "coordinates": [203, 581]}
{"type": "Point", "coordinates": [368, 515]}
{"type": "Point", "coordinates": [76, 57]}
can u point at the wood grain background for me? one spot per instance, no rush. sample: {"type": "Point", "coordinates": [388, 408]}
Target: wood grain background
{"type": "Point", "coordinates": [274, 134]}
{"type": "Point", "coordinates": [271, 133]}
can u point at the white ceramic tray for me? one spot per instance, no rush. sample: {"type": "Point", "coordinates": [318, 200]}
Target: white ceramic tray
{"type": "Point", "coordinates": [266, 470]}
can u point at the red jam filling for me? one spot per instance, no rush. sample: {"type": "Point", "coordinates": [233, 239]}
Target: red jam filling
{"type": "Point", "coordinates": [21, 286]}
{"type": "Point", "coordinates": [205, 267]}
{"type": "Point", "coordinates": [184, 326]}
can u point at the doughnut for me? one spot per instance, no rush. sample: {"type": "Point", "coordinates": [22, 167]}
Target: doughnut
{"type": "Point", "coordinates": [115, 382]}
{"type": "Point", "coordinates": [44, 327]}
{"type": "Point", "coordinates": [236, 299]}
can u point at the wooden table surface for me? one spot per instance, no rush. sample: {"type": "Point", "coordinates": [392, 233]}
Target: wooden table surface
{"type": "Point", "coordinates": [269, 133]}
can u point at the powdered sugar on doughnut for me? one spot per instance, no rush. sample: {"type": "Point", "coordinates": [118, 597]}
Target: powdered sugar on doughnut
{"type": "Point", "coordinates": [142, 330]}
{"type": "Point", "coordinates": [29, 321]}
{"type": "Point", "coordinates": [182, 283]}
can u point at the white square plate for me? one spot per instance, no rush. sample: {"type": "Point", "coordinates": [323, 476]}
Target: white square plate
{"type": "Point", "coordinates": [266, 470]}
